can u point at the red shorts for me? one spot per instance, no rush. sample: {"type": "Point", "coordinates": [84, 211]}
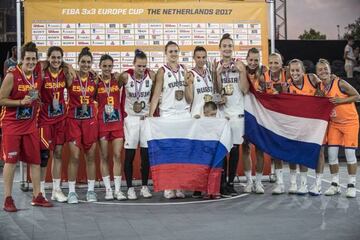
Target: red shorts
{"type": "Point", "coordinates": [111, 135]}
{"type": "Point", "coordinates": [83, 133]}
{"type": "Point", "coordinates": [25, 148]}
{"type": "Point", "coordinates": [52, 135]}
{"type": "Point", "coordinates": [110, 131]}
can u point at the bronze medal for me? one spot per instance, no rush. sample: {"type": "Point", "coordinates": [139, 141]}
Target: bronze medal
{"type": "Point", "coordinates": [137, 107]}
{"type": "Point", "coordinates": [228, 89]}
{"type": "Point", "coordinates": [179, 95]}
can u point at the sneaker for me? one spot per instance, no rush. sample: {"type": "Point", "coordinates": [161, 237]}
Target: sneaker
{"type": "Point", "coordinates": [248, 187]}
{"type": "Point", "coordinates": [179, 193]}
{"type": "Point", "coordinates": [224, 192]}
{"type": "Point", "coordinates": [278, 189]}
{"type": "Point", "coordinates": [44, 195]}
{"type": "Point", "coordinates": [333, 189]}
{"type": "Point", "coordinates": [131, 194]}
{"type": "Point", "coordinates": [58, 195]}
{"type": "Point", "coordinates": [40, 201]}
{"type": "Point", "coordinates": [91, 196]}
{"type": "Point", "coordinates": [293, 188]}
{"type": "Point", "coordinates": [72, 198]}
{"type": "Point", "coordinates": [145, 192]}
{"type": "Point", "coordinates": [196, 194]}
{"type": "Point", "coordinates": [315, 190]}
{"type": "Point", "coordinates": [120, 196]}
{"type": "Point", "coordinates": [109, 194]}
{"type": "Point", "coordinates": [259, 188]}
{"type": "Point", "coordinates": [351, 191]}
{"type": "Point", "coordinates": [303, 190]}
{"type": "Point", "coordinates": [169, 194]}
{"type": "Point", "coordinates": [231, 190]}
{"type": "Point", "coordinates": [9, 205]}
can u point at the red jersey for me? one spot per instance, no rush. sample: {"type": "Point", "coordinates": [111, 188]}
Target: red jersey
{"type": "Point", "coordinates": [109, 97]}
{"type": "Point", "coordinates": [22, 119]}
{"type": "Point", "coordinates": [82, 94]}
{"type": "Point", "coordinates": [52, 97]}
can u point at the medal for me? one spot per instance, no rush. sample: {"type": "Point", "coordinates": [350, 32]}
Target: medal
{"type": "Point", "coordinates": [216, 98]}
{"type": "Point", "coordinates": [84, 108]}
{"type": "Point", "coordinates": [208, 98]}
{"type": "Point", "coordinates": [138, 106]}
{"type": "Point", "coordinates": [228, 89]}
{"type": "Point", "coordinates": [109, 109]}
{"type": "Point", "coordinates": [55, 104]}
{"type": "Point", "coordinates": [179, 95]}
{"type": "Point", "coordinates": [33, 93]}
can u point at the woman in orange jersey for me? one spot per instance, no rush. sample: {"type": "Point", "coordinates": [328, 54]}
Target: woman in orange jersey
{"type": "Point", "coordinates": [343, 127]}
{"type": "Point", "coordinates": [82, 125]}
{"type": "Point", "coordinates": [110, 117]}
{"type": "Point", "coordinates": [19, 95]}
{"type": "Point", "coordinates": [303, 84]}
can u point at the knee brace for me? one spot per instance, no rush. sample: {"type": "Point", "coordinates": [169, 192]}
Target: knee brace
{"type": "Point", "coordinates": [44, 155]}
{"type": "Point", "coordinates": [333, 155]}
{"type": "Point", "coordinates": [350, 156]}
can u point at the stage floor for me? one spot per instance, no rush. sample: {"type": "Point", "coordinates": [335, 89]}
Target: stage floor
{"type": "Point", "coordinates": [247, 216]}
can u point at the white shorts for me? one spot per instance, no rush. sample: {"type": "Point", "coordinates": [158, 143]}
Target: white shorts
{"type": "Point", "coordinates": [134, 133]}
{"type": "Point", "coordinates": [237, 129]}
{"type": "Point", "coordinates": [175, 114]}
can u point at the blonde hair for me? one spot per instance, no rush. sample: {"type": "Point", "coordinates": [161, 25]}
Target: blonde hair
{"type": "Point", "coordinates": [323, 61]}
{"type": "Point", "coordinates": [295, 60]}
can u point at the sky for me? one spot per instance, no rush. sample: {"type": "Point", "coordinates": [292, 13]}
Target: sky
{"type": "Point", "coordinates": [322, 15]}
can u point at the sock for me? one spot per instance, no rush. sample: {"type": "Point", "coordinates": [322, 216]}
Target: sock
{"type": "Point", "coordinates": [71, 186]}
{"type": "Point", "coordinates": [352, 179]}
{"type": "Point", "coordinates": [56, 184]}
{"type": "Point", "coordinates": [117, 181]}
{"type": "Point", "coordinates": [42, 187]}
{"type": "Point", "coordinates": [303, 178]}
{"type": "Point", "coordinates": [318, 178]}
{"type": "Point", "coordinates": [335, 178]}
{"type": "Point", "coordinates": [248, 176]}
{"type": "Point", "coordinates": [258, 177]}
{"type": "Point", "coordinates": [293, 176]}
{"type": "Point", "coordinates": [91, 185]}
{"type": "Point", "coordinates": [279, 176]}
{"type": "Point", "coordinates": [107, 183]}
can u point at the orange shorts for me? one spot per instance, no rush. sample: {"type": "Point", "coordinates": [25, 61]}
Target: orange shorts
{"type": "Point", "coordinates": [52, 135]}
{"type": "Point", "coordinates": [345, 135]}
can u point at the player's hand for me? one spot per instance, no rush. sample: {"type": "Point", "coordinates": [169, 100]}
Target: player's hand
{"type": "Point", "coordinates": [27, 100]}
{"type": "Point", "coordinates": [336, 100]}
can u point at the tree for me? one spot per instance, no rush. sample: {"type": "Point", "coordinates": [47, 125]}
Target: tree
{"type": "Point", "coordinates": [353, 29]}
{"type": "Point", "coordinates": [312, 34]}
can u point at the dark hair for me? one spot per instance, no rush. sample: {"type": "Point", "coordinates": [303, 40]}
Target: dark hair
{"type": "Point", "coordinates": [252, 50]}
{"type": "Point", "coordinates": [199, 49]}
{"type": "Point", "coordinates": [139, 55]}
{"type": "Point", "coordinates": [350, 38]}
{"type": "Point", "coordinates": [170, 43]}
{"type": "Point", "coordinates": [29, 47]}
{"type": "Point", "coordinates": [106, 57]}
{"type": "Point", "coordinates": [210, 105]}
{"type": "Point", "coordinates": [224, 37]}
{"type": "Point", "coordinates": [54, 48]}
{"type": "Point", "coordinates": [85, 52]}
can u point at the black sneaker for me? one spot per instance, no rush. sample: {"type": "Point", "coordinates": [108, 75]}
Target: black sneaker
{"type": "Point", "coordinates": [231, 190]}
{"type": "Point", "coordinates": [196, 194]}
{"type": "Point", "coordinates": [224, 192]}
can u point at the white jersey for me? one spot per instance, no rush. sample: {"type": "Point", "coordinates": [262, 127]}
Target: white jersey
{"type": "Point", "coordinates": [234, 105]}
{"type": "Point", "coordinates": [138, 91]}
{"type": "Point", "coordinates": [173, 93]}
{"type": "Point", "coordinates": [203, 91]}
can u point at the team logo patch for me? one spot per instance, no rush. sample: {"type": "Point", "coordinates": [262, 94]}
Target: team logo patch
{"type": "Point", "coordinates": [169, 75]}
{"type": "Point", "coordinates": [114, 116]}
{"type": "Point", "coordinates": [147, 83]}
{"type": "Point", "coordinates": [23, 113]}
{"type": "Point", "coordinates": [198, 79]}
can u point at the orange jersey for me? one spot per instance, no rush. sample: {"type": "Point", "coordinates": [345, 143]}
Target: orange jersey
{"type": "Point", "coordinates": [307, 88]}
{"type": "Point", "coordinates": [254, 81]}
{"type": "Point", "coordinates": [271, 86]}
{"type": "Point", "coordinates": [342, 113]}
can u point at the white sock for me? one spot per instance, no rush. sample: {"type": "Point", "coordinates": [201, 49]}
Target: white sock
{"type": "Point", "coordinates": [117, 181]}
{"type": "Point", "coordinates": [248, 176]}
{"type": "Point", "coordinates": [107, 183]}
{"type": "Point", "coordinates": [56, 184]}
{"type": "Point", "coordinates": [42, 187]}
{"type": "Point", "coordinates": [352, 179]}
{"type": "Point", "coordinates": [335, 178]}
{"type": "Point", "coordinates": [258, 177]}
{"type": "Point", "coordinates": [303, 178]}
{"type": "Point", "coordinates": [318, 178]}
{"type": "Point", "coordinates": [279, 176]}
{"type": "Point", "coordinates": [293, 176]}
{"type": "Point", "coordinates": [91, 185]}
{"type": "Point", "coordinates": [71, 186]}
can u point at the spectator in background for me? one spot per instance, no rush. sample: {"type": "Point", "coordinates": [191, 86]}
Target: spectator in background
{"type": "Point", "coordinates": [10, 61]}
{"type": "Point", "coordinates": [349, 58]}
{"type": "Point", "coordinates": [357, 59]}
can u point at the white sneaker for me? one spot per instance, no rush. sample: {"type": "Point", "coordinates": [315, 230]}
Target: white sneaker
{"type": "Point", "coordinates": [120, 196]}
{"type": "Point", "coordinates": [303, 190]}
{"type": "Point", "coordinates": [169, 194]}
{"type": "Point", "coordinates": [179, 194]}
{"type": "Point", "coordinates": [145, 192]}
{"type": "Point", "coordinates": [278, 189]}
{"type": "Point", "coordinates": [333, 189]}
{"type": "Point", "coordinates": [315, 190]}
{"type": "Point", "coordinates": [58, 195]}
{"type": "Point", "coordinates": [293, 188]}
{"type": "Point", "coordinates": [131, 194]}
{"type": "Point", "coordinates": [109, 194]}
{"type": "Point", "coordinates": [259, 188]}
{"type": "Point", "coordinates": [248, 187]}
{"type": "Point", "coordinates": [351, 191]}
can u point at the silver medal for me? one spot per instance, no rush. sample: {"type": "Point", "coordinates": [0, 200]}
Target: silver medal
{"type": "Point", "coordinates": [109, 109]}
{"type": "Point", "coordinates": [33, 93]}
{"type": "Point", "coordinates": [55, 104]}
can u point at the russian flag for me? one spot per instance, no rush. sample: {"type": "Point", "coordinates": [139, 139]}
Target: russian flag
{"type": "Point", "coordinates": [287, 127]}
{"type": "Point", "coordinates": [187, 153]}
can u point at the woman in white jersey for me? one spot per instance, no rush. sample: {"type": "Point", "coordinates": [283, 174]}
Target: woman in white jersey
{"type": "Point", "coordinates": [231, 79]}
{"type": "Point", "coordinates": [138, 83]}
{"type": "Point", "coordinates": [170, 84]}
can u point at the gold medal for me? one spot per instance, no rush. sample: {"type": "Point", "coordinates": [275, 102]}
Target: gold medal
{"type": "Point", "coordinates": [208, 98]}
{"type": "Point", "coordinates": [179, 95]}
{"type": "Point", "coordinates": [228, 89]}
{"type": "Point", "coordinates": [216, 97]}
